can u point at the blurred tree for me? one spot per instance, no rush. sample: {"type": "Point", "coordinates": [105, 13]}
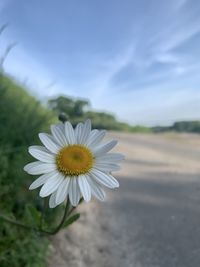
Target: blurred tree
{"type": "Point", "coordinates": [80, 106]}
{"type": "Point", "coordinates": [72, 108]}
{"type": "Point", "coordinates": [62, 104]}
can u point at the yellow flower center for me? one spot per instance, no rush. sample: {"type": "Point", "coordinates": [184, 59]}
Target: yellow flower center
{"type": "Point", "coordinates": [74, 160]}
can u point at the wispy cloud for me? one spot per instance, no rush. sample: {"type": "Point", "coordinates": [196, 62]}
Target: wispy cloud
{"type": "Point", "coordinates": [158, 54]}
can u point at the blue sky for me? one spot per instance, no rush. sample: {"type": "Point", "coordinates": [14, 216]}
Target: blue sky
{"type": "Point", "coordinates": [139, 59]}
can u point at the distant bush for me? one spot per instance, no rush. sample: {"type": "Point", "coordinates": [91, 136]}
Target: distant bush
{"type": "Point", "coordinates": [140, 129]}
{"type": "Point", "coordinates": [181, 127]}
{"type": "Point", "coordinates": [187, 126]}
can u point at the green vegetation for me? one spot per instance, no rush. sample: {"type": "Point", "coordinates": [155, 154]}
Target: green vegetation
{"type": "Point", "coordinates": [77, 110]}
{"type": "Point", "coordinates": [181, 127]}
{"type": "Point", "coordinates": [187, 126]}
{"type": "Point", "coordinates": [21, 118]}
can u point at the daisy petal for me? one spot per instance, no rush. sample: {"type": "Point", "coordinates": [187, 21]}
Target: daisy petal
{"type": "Point", "coordinates": [52, 200]}
{"type": "Point", "coordinates": [69, 132]}
{"type": "Point", "coordinates": [96, 189]}
{"type": "Point", "coordinates": [42, 154]}
{"type": "Point", "coordinates": [49, 142]}
{"type": "Point", "coordinates": [93, 132]}
{"type": "Point", "coordinates": [107, 167]}
{"type": "Point", "coordinates": [62, 191]}
{"type": "Point", "coordinates": [96, 138]}
{"type": "Point", "coordinates": [61, 126]}
{"type": "Point", "coordinates": [39, 167]}
{"type": "Point", "coordinates": [52, 184]}
{"type": "Point", "coordinates": [58, 134]}
{"type": "Point", "coordinates": [39, 181]}
{"type": "Point", "coordinates": [86, 129]}
{"type": "Point", "coordinates": [71, 145]}
{"type": "Point", "coordinates": [74, 192]}
{"type": "Point", "coordinates": [78, 132]}
{"type": "Point", "coordinates": [84, 187]}
{"type": "Point", "coordinates": [104, 178]}
{"type": "Point", "coordinates": [102, 149]}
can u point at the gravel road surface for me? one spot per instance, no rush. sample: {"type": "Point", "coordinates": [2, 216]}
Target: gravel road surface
{"type": "Point", "coordinates": [152, 220]}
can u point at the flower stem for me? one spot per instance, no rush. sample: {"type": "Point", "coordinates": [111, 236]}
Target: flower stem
{"type": "Point", "coordinates": [66, 213]}
{"type": "Point", "coordinates": [43, 213]}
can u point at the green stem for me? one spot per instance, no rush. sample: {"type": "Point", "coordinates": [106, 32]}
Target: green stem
{"type": "Point", "coordinates": [44, 206]}
{"type": "Point", "coordinates": [63, 218]}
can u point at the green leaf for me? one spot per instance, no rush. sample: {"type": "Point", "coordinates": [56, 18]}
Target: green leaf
{"type": "Point", "coordinates": [71, 219]}
{"type": "Point", "coordinates": [33, 214]}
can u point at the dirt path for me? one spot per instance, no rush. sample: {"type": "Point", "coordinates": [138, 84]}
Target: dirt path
{"type": "Point", "coordinates": [152, 220]}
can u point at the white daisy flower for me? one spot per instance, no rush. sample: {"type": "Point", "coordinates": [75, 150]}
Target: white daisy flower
{"type": "Point", "coordinates": [74, 163]}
